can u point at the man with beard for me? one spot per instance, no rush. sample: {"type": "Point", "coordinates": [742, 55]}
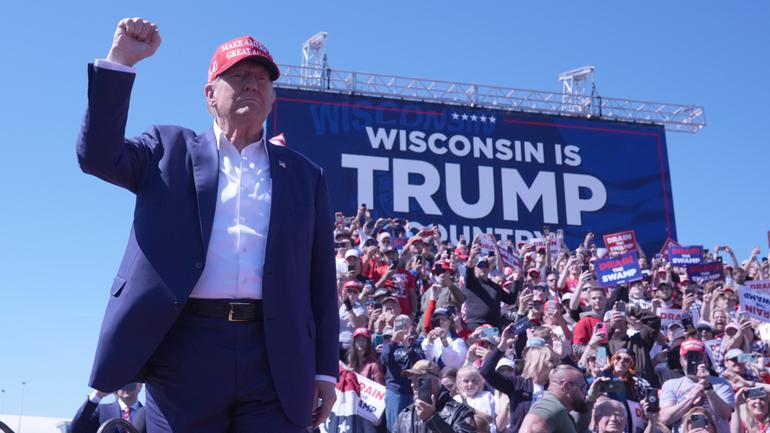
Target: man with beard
{"type": "Point", "coordinates": [567, 391]}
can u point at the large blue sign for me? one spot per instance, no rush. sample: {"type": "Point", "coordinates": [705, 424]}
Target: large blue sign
{"type": "Point", "coordinates": [471, 169]}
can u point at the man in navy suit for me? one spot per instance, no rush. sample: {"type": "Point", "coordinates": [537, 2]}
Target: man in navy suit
{"type": "Point", "coordinates": [92, 415]}
{"type": "Point", "coordinates": [230, 253]}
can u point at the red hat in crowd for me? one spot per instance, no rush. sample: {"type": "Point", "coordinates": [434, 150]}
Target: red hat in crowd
{"type": "Point", "coordinates": [361, 332]}
{"type": "Point", "coordinates": [443, 266]}
{"type": "Point", "coordinates": [691, 345]}
{"type": "Point", "coordinates": [461, 252]}
{"type": "Point", "coordinates": [353, 284]}
{"type": "Point", "coordinates": [233, 51]}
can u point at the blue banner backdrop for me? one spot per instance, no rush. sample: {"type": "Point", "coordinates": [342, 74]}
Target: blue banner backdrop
{"type": "Point", "coordinates": [470, 169]}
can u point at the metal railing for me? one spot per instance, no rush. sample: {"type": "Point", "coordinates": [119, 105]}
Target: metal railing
{"type": "Point", "coordinates": [674, 117]}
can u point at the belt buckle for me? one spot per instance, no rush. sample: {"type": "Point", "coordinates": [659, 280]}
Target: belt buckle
{"type": "Point", "coordinates": [231, 314]}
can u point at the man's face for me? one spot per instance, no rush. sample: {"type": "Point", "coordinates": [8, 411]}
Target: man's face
{"type": "Point", "coordinates": [576, 391]}
{"type": "Point", "coordinates": [664, 292]}
{"type": "Point", "coordinates": [129, 393]}
{"type": "Point", "coordinates": [597, 299]}
{"type": "Point", "coordinates": [243, 93]}
{"type": "Point", "coordinates": [551, 281]}
{"type": "Point", "coordinates": [733, 365]}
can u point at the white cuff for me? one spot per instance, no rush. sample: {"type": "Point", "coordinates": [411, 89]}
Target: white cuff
{"type": "Point", "coordinates": [94, 398]}
{"type": "Point", "coordinates": [326, 378]}
{"type": "Point", "coordinates": [106, 64]}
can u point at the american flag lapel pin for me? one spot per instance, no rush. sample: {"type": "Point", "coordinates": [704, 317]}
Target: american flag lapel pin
{"type": "Point", "coordinates": [281, 164]}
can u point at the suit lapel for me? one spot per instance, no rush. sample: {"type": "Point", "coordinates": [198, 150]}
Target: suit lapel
{"type": "Point", "coordinates": [205, 163]}
{"type": "Point", "coordinates": [278, 200]}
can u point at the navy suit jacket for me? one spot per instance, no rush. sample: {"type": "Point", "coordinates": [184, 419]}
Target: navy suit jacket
{"type": "Point", "coordinates": [92, 415]}
{"type": "Point", "coordinates": [173, 171]}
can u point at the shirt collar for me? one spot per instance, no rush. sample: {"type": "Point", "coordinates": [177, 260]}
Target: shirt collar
{"type": "Point", "coordinates": [218, 134]}
{"type": "Point", "coordinates": [134, 407]}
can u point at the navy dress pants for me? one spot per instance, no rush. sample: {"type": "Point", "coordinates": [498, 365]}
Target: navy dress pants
{"type": "Point", "coordinates": [212, 376]}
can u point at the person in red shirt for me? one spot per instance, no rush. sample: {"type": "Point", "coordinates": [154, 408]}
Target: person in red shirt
{"type": "Point", "coordinates": [400, 282]}
{"type": "Point", "coordinates": [584, 329]}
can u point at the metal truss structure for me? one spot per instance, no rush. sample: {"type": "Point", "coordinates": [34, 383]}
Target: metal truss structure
{"type": "Point", "coordinates": [674, 117]}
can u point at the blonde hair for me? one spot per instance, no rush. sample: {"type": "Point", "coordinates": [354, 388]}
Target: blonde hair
{"type": "Point", "coordinates": [470, 371]}
{"type": "Point", "coordinates": [701, 411]}
{"type": "Point", "coordinates": [744, 414]}
{"type": "Point", "coordinates": [536, 360]}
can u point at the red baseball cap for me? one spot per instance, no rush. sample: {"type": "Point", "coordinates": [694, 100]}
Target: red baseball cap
{"type": "Point", "coordinates": [362, 332]}
{"type": "Point", "coordinates": [235, 50]}
{"type": "Point", "coordinates": [353, 284]}
{"type": "Point", "coordinates": [461, 252]}
{"type": "Point", "coordinates": [691, 345]}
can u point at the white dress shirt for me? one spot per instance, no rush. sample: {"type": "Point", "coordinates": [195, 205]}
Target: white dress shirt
{"type": "Point", "coordinates": [236, 253]}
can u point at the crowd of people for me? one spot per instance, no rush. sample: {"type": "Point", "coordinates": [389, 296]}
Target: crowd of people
{"type": "Point", "coordinates": [465, 342]}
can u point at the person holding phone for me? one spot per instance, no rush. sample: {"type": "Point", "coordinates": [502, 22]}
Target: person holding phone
{"type": "Point", "coordinates": [400, 353]}
{"type": "Point", "coordinates": [697, 388]}
{"type": "Point", "coordinates": [401, 283]}
{"type": "Point", "coordinates": [700, 420]}
{"type": "Point", "coordinates": [753, 410]}
{"type": "Point", "coordinates": [522, 390]}
{"type": "Point", "coordinates": [483, 294]}
{"type": "Point", "coordinates": [433, 409]}
{"type": "Point", "coordinates": [584, 329]}
{"type": "Point", "coordinates": [352, 314]}
{"type": "Point", "coordinates": [739, 369]}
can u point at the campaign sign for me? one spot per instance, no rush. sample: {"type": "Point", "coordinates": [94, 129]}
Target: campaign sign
{"type": "Point", "coordinates": [683, 255]}
{"type": "Point", "coordinates": [509, 259]}
{"type": "Point", "coordinates": [488, 244]}
{"type": "Point", "coordinates": [617, 270]}
{"type": "Point", "coordinates": [477, 170]}
{"type": "Point", "coordinates": [622, 242]}
{"type": "Point", "coordinates": [372, 399]}
{"type": "Point", "coordinates": [712, 348]}
{"type": "Point", "coordinates": [763, 285]}
{"type": "Point", "coordinates": [669, 315]}
{"type": "Point", "coordinates": [638, 422]}
{"type": "Point", "coordinates": [666, 245]}
{"type": "Point", "coordinates": [553, 242]}
{"type": "Point", "coordinates": [755, 303]}
{"type": "Point", "coordinates": [711, 271]}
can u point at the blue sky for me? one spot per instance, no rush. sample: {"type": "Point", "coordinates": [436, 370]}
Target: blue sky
{"type": "Point", "coordinates": [62, 233]}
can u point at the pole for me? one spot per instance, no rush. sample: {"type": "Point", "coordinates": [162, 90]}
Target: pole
{"type": "Point", "coordinates": [21, 407]}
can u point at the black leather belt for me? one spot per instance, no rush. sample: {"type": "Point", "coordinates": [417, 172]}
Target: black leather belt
{"type": "Point", "coordinates": [233, 310]}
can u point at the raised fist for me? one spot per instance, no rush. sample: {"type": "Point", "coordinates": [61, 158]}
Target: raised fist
{"type": "Point", "coordinates": [135, 39]}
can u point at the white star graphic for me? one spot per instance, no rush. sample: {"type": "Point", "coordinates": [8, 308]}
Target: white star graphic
{"type": "Point", "coordinates": [473, 117]}
{"type": "Point", "coordinates": [343, 428]}
{"type": "Point", "coordinates": [464, 116]}
{"type": "Point", "coordinates": [492, 119]}
{"type": "Point", "coordinates": [455, 116]}
{"type": "Point", "coordinates": [483, 118]}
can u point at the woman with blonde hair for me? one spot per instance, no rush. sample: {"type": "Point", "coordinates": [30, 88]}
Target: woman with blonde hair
{"type": "Point", "coordinates": [753, 413]}
{"type": "Point", "coordinates": [524, 390]}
